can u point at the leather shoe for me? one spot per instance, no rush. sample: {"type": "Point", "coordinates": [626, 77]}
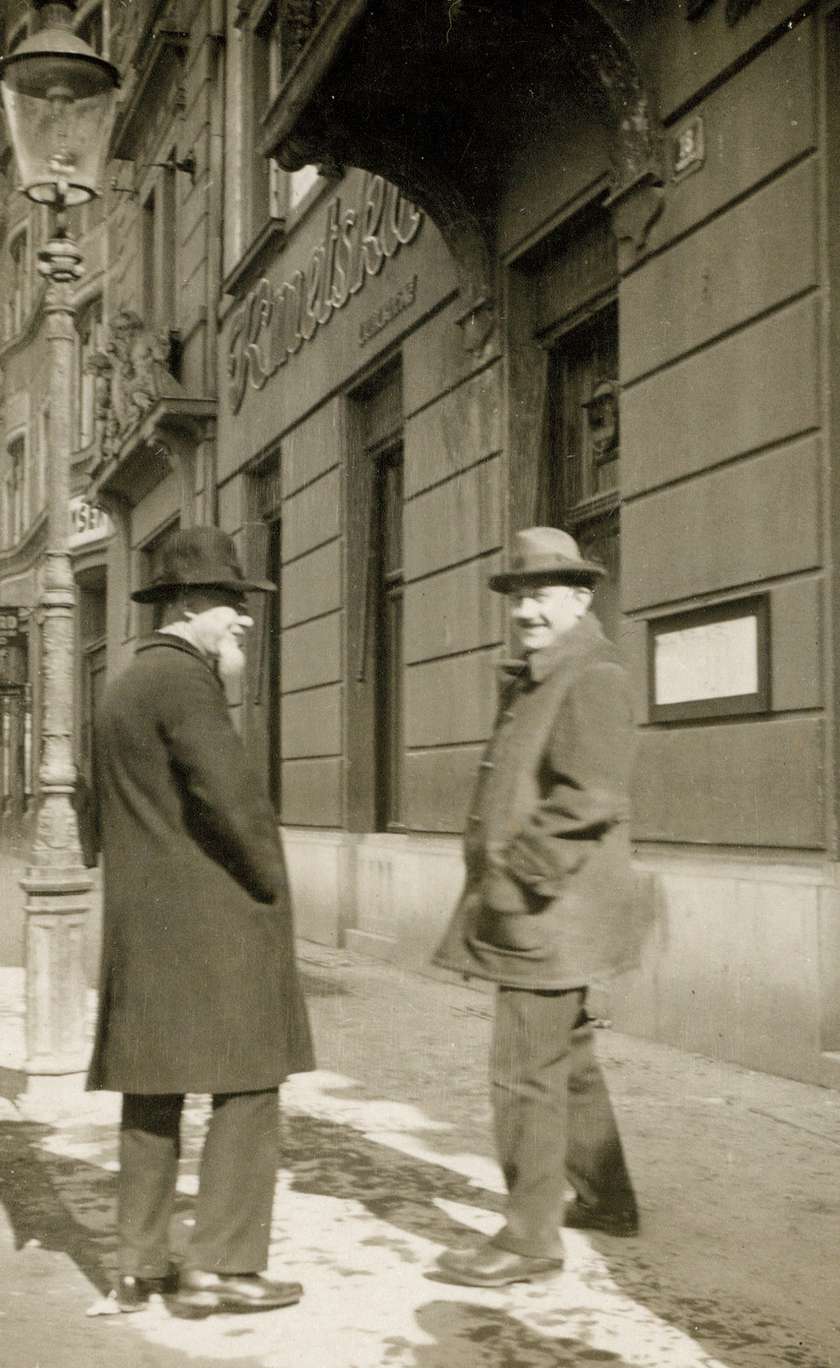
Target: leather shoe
{"type": "Point", "coordinates": [200, 1293]}
{"type": "Point", "coordinates": [133, 1293]}
{"type": "Point", "coordinates": [491, 1266]}
{"type": "Point", "coordinates": [622, 1223]}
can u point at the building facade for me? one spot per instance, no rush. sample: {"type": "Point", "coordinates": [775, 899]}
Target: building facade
{"type": "Point", "coordinates": [622, 323]}
{"type": "Point", "coordinates": [378, 292]}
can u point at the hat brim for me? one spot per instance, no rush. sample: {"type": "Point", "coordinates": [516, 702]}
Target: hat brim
{"type": "Point", "coordinates": [582, 574]}
{"type": "Point", "coordinates": [153, 593]}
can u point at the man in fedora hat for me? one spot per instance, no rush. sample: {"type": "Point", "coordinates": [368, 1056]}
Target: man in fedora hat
{"type": "Point", "coordinates": [198, 989]}
{"type": "Point", "coordinates": [545, 911]}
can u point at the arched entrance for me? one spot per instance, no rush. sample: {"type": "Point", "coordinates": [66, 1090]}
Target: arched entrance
{"type": "Point", "coordinates": [439, 98]}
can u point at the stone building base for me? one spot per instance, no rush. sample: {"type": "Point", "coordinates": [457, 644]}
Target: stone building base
{"type": "Point", "coordinates": [742, 962]}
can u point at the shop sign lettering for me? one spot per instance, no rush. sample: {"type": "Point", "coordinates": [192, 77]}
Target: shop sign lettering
{"type": "Point", "coordinates": [274, 321]}
{"type": "Point", "coordinates": [393, 306]}
{"type": "Point", "coordinates": [87, 524]}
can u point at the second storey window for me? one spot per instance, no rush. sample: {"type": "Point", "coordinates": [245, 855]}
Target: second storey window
{"type": "Point", "coordinates": [159, 239]}
{"type": "Point", "coordinates": [263, 81]}
{"type": "Point", "coordinates": [271, 192]}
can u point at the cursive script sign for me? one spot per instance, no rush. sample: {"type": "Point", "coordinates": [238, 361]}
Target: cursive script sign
{"type": "Point", "coordinates": [274, 321]}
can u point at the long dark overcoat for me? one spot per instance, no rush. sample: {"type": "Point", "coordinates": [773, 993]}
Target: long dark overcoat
{"type": "Point", "coordinates": [547, 902]}
{"type": "Point", "coordinates": [198, 989]}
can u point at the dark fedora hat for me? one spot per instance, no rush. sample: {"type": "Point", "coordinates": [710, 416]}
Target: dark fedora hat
{"type": "Point", "coordinates": [545, 555]}
{"type": "Point", "coordinates": [199, 558]}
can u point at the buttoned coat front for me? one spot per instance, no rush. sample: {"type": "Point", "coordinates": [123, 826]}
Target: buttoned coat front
{"type": "Point", "coordinates": [548, 897]}
{"type": "Point", "coordinates": [198, 988]}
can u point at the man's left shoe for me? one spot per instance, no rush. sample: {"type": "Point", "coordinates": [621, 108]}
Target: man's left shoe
{"type": "Point", "coordinates": [623, 1223]}
{"type": "Point", "coordinates": [201, 1292]}
{"type": "Point", "coordinates": [490, 1266]}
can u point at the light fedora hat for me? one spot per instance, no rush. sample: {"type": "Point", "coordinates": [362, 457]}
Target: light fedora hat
{"type": "Point", "coordinates": [545, 555]}
{"type": "Point", "coordinates": [199, 557]}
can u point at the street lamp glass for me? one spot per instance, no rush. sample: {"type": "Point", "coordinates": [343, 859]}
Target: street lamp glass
{"type": "Point", "coordinates": [60, 101]}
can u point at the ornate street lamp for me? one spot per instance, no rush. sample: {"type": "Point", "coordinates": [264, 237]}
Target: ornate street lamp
{"type": "Point", "coordinates": [59, 99]}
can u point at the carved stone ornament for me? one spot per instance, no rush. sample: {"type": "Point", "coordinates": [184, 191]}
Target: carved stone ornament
{"type": "Point", "coordinates": [300, 18]}
{"type": "Point", "coordinates": [131, 374]}
{"type": "Point", "coordinates": [634, 213]}
{"type": "Point", "coordinates": [602, 418]}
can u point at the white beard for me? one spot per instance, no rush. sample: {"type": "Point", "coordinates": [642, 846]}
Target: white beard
{"type": "Point", "coordinates": [230, 660]}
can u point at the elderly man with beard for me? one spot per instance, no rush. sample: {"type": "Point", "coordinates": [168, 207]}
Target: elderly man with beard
{"type": "Point", "coordinates": [198, 989]}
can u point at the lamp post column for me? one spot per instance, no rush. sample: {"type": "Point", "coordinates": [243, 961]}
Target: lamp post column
{"type": "Point", "coordinates": [56, 885]}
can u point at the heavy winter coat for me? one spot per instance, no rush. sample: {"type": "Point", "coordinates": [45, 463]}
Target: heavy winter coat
{"type": "Point", "coordinates": [547, 902]}
{"type": "Point", "coordinates": [198, 990]}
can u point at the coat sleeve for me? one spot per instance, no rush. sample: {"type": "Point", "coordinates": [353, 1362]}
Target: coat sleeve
{"type": "Point", "coordinates": [585, 780]}
{"type": "Point", "coordinates": [226, 811]}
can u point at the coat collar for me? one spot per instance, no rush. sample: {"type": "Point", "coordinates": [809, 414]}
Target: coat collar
{"type": "Point", "coordinates": [178, 644]}
{"type": "Point", "coordinates": [580, 640]}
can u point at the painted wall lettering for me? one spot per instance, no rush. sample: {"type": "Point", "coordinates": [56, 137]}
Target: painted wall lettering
{"type": "Point", "coordinates": [393, 306]}
{"type": "Point", "coordinates": [273, 322]}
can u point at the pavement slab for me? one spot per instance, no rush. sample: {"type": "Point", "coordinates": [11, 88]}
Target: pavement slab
{"type": "Point", "coordinates": [388, 1159]}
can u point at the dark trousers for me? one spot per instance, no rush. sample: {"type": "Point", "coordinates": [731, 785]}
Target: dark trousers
{"type": "Point", "coordinates": [235, 1191]}
{"type": "Point", "coordinates": [553, 1118]}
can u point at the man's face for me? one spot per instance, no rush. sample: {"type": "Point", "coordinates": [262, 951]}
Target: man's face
{"type": "Point", "coordinates": [542, 614]}
{"type": "Point", "coordinates": [218, 630]}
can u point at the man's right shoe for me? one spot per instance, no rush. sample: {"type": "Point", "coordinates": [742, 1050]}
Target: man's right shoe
{"type": "Point", "coordinates": [623, 1224]}
{"type": "Point", "coordinates": [200, 1293]}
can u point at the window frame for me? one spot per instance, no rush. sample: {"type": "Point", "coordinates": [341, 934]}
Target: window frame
{"type": "Point", "coordinates": [20, 278]}
{"type": "Point", "coordinates": [388, 632]}
{"type": "Point", "coordinates": [158, 209]}
{"type": "Point", "coordinates": [89, 314]}
{"type": "Point", "coordinates": [264, 556]}
{"type": "Point", "coordinates": [270, 196]}
{"type": "Point", "coordinates": [576, 512]}
{"type": "Point", "coordinates": [15, 486]}
{"type": "Point", "coordinates": [375, 427]}
{"type": "Point", "coordinates": [149, 616]}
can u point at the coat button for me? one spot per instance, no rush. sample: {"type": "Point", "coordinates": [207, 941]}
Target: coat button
{"type": "Point", "coordinates": [487, 764]}
{"type": "Point", "coordinates": [474, 817]}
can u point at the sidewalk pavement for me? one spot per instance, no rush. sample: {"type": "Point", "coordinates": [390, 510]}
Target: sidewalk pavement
{"type": "Point", "coordinates": [388, 1159]}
